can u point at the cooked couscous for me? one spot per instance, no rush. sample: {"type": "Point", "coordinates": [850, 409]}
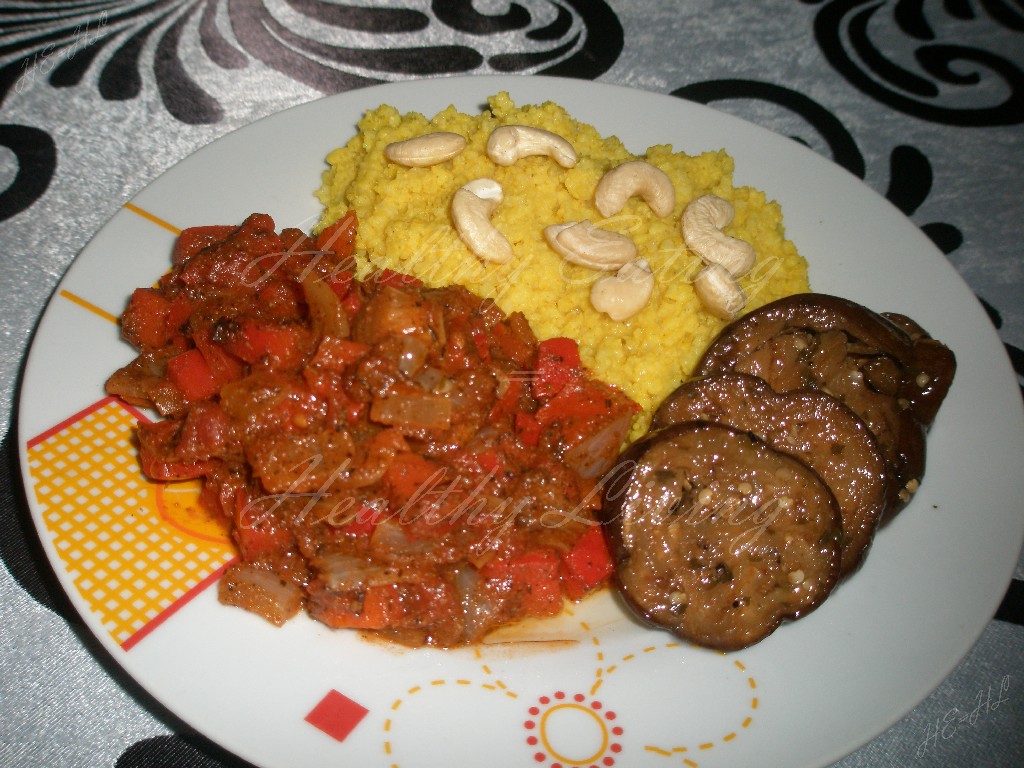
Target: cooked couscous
{"type": "Point", "coordinates": [405, 224]}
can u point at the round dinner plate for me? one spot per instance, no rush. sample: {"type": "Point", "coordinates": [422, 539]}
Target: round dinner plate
{"type": "Point", "coordinates": [593, 687]}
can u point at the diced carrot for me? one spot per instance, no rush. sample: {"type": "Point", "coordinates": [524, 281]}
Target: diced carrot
{"type": "Point", "coordinates": [190, 373]}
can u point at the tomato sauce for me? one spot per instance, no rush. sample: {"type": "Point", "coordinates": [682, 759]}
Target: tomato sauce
{"type": "Point", "coordinates": [395, 458]}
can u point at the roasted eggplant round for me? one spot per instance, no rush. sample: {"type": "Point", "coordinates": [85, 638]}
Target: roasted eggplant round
{"type": "Point", "coordinates": [813, 426]}
{"type": "Point", "coordinates": [891, 378]}
{"type": "Point", "coordinates": [717, 536]}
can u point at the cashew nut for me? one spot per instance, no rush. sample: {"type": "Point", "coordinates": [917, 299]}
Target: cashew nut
{"type": "Point", "coordinates": [589, 246]}
{"type": "Point", "coordinates": [636, 177]}
{"type": "Point", "coordinates": [702, 223]}
{"type": "Point", "coordinates": [719, 292]}
{"type": "Point", "coordinates": [622, 295]}
{"type": "Point", "coordinates": [472, 206]}
{"type": "Point", "coordinates": [428, 149]}
{"type": "Point", "coordinates": [511, 142]}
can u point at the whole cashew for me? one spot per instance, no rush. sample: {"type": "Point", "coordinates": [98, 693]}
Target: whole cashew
{"type": "Point", "coordinates": [428, 149]}
{"type": "Point", "coordinates": [589, 246]}
{"type": "Point", "coordinates": [622, 295]}
{"type": "Point", "coordinates": [511, 142]}
{"type": "Point", "coordinates": [719, 292]}
{"type": "Point", "coordinates": [472, 206]}
{"type": "Point", "coordinates": [636, 177]}
{"type": "Point", "coordinates": [702, 224]}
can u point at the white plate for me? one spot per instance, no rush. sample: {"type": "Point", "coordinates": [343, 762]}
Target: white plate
{"type": "Point", "coordinates": [616, 693]}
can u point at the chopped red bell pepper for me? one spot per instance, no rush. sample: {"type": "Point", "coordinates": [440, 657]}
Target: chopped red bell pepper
{"type": "Point", "coordinates": [278, 345]}
{"type": "Point", "coordinates": [391, 277]}
{"type": "Point", "coordinates": [508, 403]}
{"type": "Point", "coordinates": [341, 283]}
{"type": "Point", "coordinates": [181, 311]}
{"type": "Point", "coordinates": [488, 461]}
{"type": "Point", "coordinates": [334, 354]}
{"type": "Point", "coordinates": [144, 322]}
{"type": "Point", "coordinates": [587, 564]}
{"type": "Point", "coordinates": [528, 429]}
{"type": "Point", "coordinates": [411, 475]}
{"type": "Point", "coordinates": [225, 366]}
{"type": "Point", "coordinates": [192, 240]}
{"type": "Point", "coordinates": [558, 364]}
{"type": "Point", "coordinates": [511, 345]}
{"type": "Point", "coordinates": [481, 341]}
{"type": "Point", "coordinates": [363, 521]}
{"type": "Point", "coordinates": [582, 401]}
{"type": "Point", "coordinates": [190, 373]}
{"type": "Point", "coordinates": [282, 298]}
{"type": "Point", "coordinates": [340, 236]}
{"type": "Point", "coordinates": [533, 578]}
{"type": "Point", "coordinates": [259, 539]}
{"type": "Point", "coordinates": [157, 444]}
{"type": "Point", "coordinates": [381, 607]}
{"type": "Point", "coordinates": [172, 471]}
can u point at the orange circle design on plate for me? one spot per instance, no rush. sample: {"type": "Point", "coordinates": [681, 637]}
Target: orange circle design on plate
{"type": "Point", "coordinates": [562, 758]}
{"type": "Point", "coordinates": [178, 506]}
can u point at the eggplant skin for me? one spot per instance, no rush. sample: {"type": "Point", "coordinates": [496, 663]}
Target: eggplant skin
{"type": "Point", "coordinates": [717, 536]}
{"type": "Point", "coordinates": [885, 368]}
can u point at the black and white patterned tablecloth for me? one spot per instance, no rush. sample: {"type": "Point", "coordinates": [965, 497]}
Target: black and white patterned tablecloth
{"type": "Point", "coordinates": [922, 99]}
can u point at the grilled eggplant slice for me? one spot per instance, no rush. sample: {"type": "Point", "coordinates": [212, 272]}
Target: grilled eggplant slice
{"type": "Point", "coordinates": [891, 379]}
{"type": "Point", "coordinates": [717, 536]}
{"type": "Point", "coordinates": [814, 427]}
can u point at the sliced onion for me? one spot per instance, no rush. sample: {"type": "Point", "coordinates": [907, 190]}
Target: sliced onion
{"type": "Point", "coordinates": [261, 591]}
{"type": "Point", "coordinates": [326, 313]}
{"type": "Point", "coordinates": [413, 355]}
{"type": "Point", "coordinates": [340, 572]}
{"type": "Point", "coordinates": [433, 380]}
{"type": "Point", "coordinates": [480, 611]}
{"type": "Point", "coordinates": [412, 410]}
{"type": "Point", "coordinates": [596, 453]}
{"type": "Point", "coordinates": [390, 538]}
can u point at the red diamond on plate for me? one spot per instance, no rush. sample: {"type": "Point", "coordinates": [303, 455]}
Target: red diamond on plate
{"type": "Point", "coordinates": [336, 715]}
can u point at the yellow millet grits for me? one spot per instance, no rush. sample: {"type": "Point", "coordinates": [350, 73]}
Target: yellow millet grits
{"type": "Point", "coordinates": [405, 224]}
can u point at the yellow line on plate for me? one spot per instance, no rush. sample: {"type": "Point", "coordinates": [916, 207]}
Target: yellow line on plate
{"type": "Point", "coordinates": [150, 217]}
{"type": "Point", "coordinates": [88, 305]}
